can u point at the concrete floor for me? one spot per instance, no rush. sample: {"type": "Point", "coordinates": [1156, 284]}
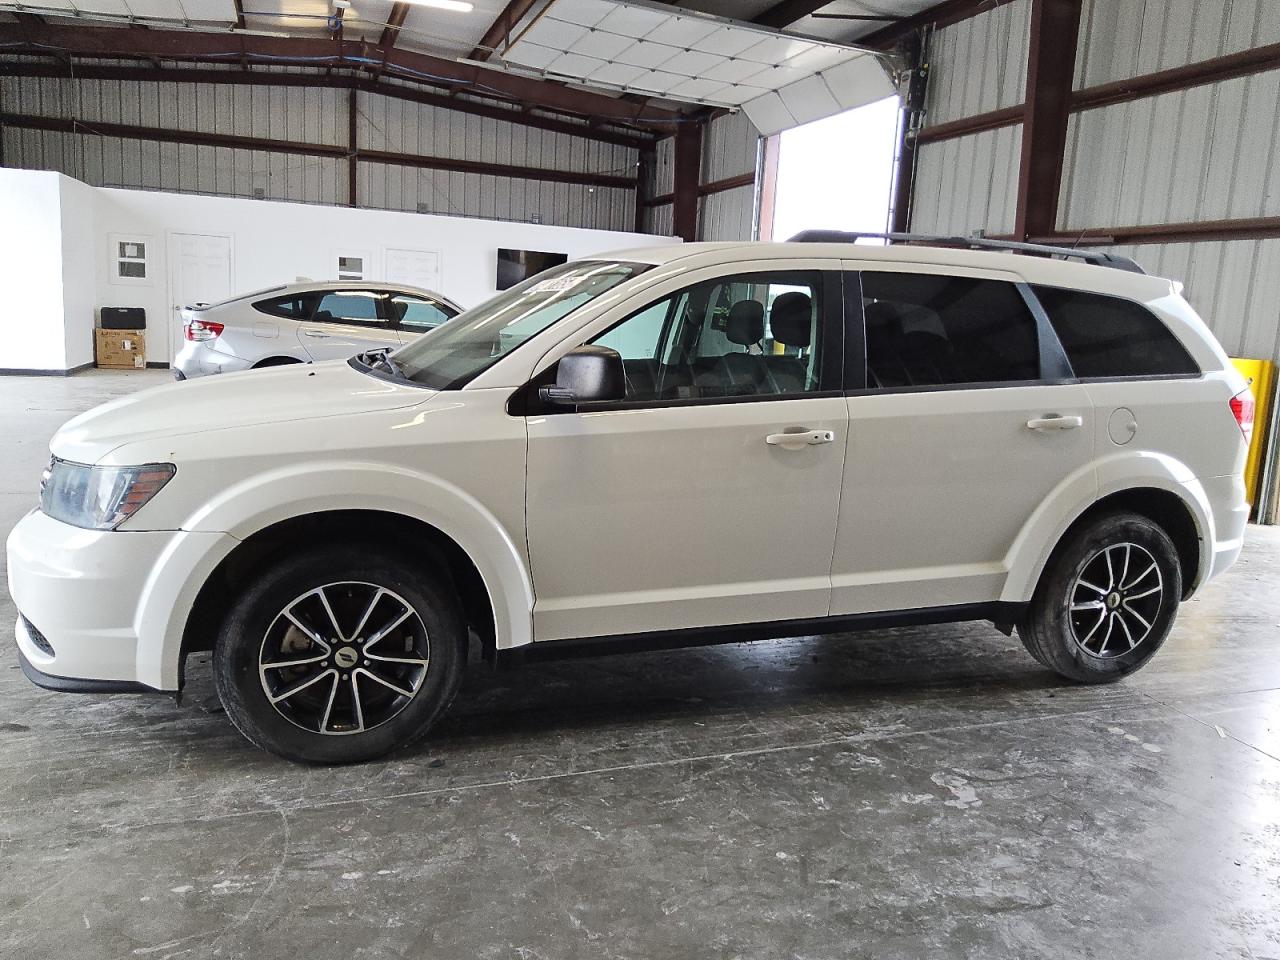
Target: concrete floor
{"type": "Point", "coordinates": [907, 793]}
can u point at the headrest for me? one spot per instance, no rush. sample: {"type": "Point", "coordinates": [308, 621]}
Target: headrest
{"type": "Point", "coordinates": [791, 319]}
{"type": "Point", "coordinates": [746, 322]}
{"type": "Point", "coordinates": [879, 313]}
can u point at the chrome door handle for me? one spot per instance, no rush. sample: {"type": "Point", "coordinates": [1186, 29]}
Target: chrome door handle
{"type": "Point", "coordinates": [1055, 422]}
{"type": "Point", "coordinates": [805, 438]}
{"type": "Point", "coordinates": [316, 334]}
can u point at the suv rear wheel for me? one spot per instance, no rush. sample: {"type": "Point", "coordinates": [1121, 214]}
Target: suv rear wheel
{"type": "Point", "coordinates": [1106, 600]}
{"type": "Point", "coordinates": [340, 655]}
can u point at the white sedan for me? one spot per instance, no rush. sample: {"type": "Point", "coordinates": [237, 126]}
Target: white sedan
{"type": "Point", "coordinates": [304, 322]}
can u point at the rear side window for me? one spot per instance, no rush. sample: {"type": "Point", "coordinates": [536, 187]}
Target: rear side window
{"type": "Point", "coordinates": [1110, 337]}
{"type": "Point", "coordinates": [296, 307]}
{"type": "Point", "coordinates": [925, 330]}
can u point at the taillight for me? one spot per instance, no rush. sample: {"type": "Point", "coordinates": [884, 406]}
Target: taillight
{"type": "Point", "coordinates": [203, 329]}
{"type": "Point", "coordinates": [1242, 410]}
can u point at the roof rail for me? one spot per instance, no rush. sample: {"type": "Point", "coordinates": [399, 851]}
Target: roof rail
{"type": "Point", "coordinates": [1095, 257]}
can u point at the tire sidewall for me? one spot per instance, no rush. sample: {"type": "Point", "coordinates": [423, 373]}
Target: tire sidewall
{"type": "Point", "coordinates": [236, 652]}
{"type": "Point", "coordinates": [1055, 602]}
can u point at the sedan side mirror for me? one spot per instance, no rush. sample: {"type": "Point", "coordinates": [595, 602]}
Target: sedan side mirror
{"type": "Point", "coordinates": [587, 375]}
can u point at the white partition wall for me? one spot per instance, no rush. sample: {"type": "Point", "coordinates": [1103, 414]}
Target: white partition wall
{"type": "Point", "coordinates": [76, 248]}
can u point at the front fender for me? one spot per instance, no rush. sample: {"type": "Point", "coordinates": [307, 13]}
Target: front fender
{"type": "Point", "coordinates": [1130, 470]}
{"type": "Point", "coordinates": [245, 508]}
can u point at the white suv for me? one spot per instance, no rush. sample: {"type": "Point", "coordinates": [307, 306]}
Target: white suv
{"type": "Point", "coordinates": [702, 441]}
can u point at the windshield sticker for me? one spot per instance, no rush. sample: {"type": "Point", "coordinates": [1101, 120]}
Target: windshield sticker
{"type": "Point", "coordinates": [556, 285]}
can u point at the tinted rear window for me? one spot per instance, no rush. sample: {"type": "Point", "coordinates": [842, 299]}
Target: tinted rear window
{"type": "Point", "coordinates": [1110, 337]}
{"type": "Point", "coordinates": [295, 307]}
{"type": "Point", "coordinates": [926, 330]}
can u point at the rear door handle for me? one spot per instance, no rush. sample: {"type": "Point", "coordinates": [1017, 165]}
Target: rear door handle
{"type": "Point", "coordinates": [804, 438]}
{"type": "Point", "coordinates": [1055, 422]}
{"type": "Point", "coordinates": [316, 334]}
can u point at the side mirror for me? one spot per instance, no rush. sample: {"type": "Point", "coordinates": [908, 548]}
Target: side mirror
{"type": "Point", "coordinates": [587, 375]}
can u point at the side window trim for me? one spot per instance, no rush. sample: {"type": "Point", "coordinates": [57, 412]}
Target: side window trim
{"type": "Point", "coordinates": [1054, 366]}
{"type": "Point", "coordinates": [525, 402]}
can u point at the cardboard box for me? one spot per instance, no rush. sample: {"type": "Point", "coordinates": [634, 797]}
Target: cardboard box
{"type": "Point", "coordinates": [120, 349]}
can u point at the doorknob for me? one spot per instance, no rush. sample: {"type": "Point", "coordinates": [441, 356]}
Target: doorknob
{"type": "Point", "coordinates": [1055, 422]}
{"type": "Point", "coordinates": [316, 334]}
{"type": "Point", "coordinates": [798, 439]}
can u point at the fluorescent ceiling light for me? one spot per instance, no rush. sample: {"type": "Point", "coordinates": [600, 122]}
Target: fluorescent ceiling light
{"type": "Point", "coordinates": [457, 6]}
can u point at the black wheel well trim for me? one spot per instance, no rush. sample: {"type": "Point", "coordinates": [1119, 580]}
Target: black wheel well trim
{"type": "Point", "coordinates": [276, 361]}
{"type": "Point", "coordinates": [405, 534]}
{"type": "Point", "coordinates": [1165, 509]}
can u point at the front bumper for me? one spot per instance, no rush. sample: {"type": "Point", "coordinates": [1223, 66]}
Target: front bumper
{"type": "Point", "coordinates": [75, 684]}
{"type": "Point", "coordinates": [111, 605]}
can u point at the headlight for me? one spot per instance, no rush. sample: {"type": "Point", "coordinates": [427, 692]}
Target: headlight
{"type": "Point", "coordinates": [99, 498]}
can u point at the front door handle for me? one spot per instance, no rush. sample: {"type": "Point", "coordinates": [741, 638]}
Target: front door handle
{"type": "Point", "coordinates": [804, 438]}
{"type": "Point", "coordinates": [1055, 422]}
{"type": "Point", "coordinates": [316, 334]}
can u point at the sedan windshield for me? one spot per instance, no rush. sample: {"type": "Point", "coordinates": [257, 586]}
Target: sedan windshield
{"type": "Point", "coordinates": [456, 352]}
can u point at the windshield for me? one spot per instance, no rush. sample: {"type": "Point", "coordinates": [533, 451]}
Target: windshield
{"type": "Point", "coordinates": [456, 352]}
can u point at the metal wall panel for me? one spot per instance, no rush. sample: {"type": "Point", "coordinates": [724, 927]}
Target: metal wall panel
{"type": "Point", "coordinates": [1125, 38]}
{"type": "Point", "coordinates": [387, 187]}
{"type": "Point", "coordinates": [658, 220]}
{"type": "Point", "coordinates": [1207, 153]}
{"type": "Point", "coordinates": [729, 147]}
{"type": "Point", "coordinates": [313, 115]}
{"type": "Point", "coordinates": [968, 183]}
{"type": "Point", "coordinates": [1233, 284]}
{"type": "Point", "coordinates": [979, 64]}
{"type": "Point", "coordinates": [664, 167]}
{"type": "Point", "coordinates": [727, 215]}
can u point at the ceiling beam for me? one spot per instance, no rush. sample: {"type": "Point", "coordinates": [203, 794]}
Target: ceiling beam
{"type": "Point", "coordinates": [190, 45]}
{"type": "Point", "coordinates": [939, 15]}
{"type": "Point", "coordinates": [335, 151]}
{"type": "Point", "coordinates": [344, 81]}
{"type": "Point", "coordinates": [395, 20]}
{"type": "Point", "coordinates": [782, 15]}
{"type": "Point", "coordinates": [501, 28]}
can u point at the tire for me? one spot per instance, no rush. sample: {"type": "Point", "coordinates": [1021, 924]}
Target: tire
{"type": "Point", "coordinates": [274, 362]}
{"type": "Point", "coordinates": [1093, 635]}
{"type": "Point", "coordinates": [370, 696]}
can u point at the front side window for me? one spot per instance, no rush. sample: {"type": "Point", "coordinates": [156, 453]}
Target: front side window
{"type": "Point", "coordinates": [1110, 337]}
{"type": "Point", "coordinates": [418, 314]}
{"type": "Point", "coordinates": [925, 330]}
{"type": "Point", "coordinates": [349, 306]}
{"type": "Point", "coordinates": [455, 353]}
{"type": "Point", "coordinates": [756, 334]}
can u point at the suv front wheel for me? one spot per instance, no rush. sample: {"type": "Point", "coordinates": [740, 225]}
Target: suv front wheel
{"type": "Point", "coordinates": [1106, 600]}
{"type": "Point", "coordinates": [340, 655]}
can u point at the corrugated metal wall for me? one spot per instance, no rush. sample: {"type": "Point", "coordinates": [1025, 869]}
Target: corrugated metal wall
{"type": "Point", "coordinates": [1125, 38]}
{"type": "Point", "coordinates": [977, 65]}
{"type": "Point", "coordinates": [1233, 284]}
{"type": "Point", "coordinates": [728, 150]}
{"type": "Point", "coordinates": [967, 183]}
{"type": "Point", "coordinates": [1207, 153]}
{"type": "Point", "coordinates": [313, 115]}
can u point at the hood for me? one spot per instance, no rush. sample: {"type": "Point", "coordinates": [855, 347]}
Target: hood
{"type": "Point", "coordinates": [228, 401]}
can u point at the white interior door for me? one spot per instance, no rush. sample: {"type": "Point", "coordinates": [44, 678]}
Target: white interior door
{"type": "Point", "coordinates": [416, 268]}
{"type": "Point", "coordinates": [199, 272]}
